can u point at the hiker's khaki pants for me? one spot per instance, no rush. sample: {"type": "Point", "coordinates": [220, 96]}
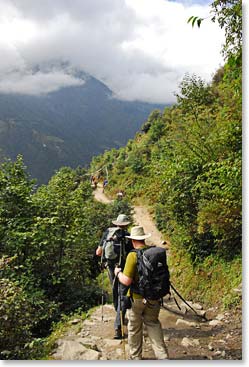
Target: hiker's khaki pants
{"type": "Point", "coordinates": [146, 313]}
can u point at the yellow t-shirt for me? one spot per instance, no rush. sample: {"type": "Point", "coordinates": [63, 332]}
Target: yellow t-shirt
{"type": "Point", "coordinates": [130, 270]}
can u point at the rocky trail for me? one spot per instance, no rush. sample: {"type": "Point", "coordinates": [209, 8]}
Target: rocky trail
{"type": "Point", "coordinates": [92, 339]}
{"type": "Point", "coordinates": [187, 337]}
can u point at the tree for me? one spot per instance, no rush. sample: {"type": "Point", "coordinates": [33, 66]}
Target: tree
{"type": "Point", "coordinates": [228, 13]}
{"type": "Point", "coordinates": [16, 208]}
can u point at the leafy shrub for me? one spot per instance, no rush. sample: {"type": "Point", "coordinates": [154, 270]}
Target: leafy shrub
{"type": "Point", "coordinates": [20, 314]}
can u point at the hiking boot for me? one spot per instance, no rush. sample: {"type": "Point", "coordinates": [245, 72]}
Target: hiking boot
{"type": "Point", "coordinates": [118, 334]}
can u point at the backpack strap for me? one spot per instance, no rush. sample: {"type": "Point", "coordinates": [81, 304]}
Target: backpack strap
{"type": "Point", "coordinates": [134, 288]}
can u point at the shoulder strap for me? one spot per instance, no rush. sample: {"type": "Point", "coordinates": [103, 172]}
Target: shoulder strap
{"type": "Point", "coordinates": [134, 288]}
{"type": "Point", "coordinates": [111, 232]}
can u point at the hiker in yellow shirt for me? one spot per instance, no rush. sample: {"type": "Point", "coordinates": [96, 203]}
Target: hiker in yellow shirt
{"type": "Point", "coordinates": [141, 311]}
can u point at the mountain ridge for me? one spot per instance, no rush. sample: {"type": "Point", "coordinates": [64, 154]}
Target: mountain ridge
{"type": "Point", "coordinates": [67, 127]}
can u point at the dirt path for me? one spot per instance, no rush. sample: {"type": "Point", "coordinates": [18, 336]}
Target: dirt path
{"type": "Point", "coordinates": [100, 196]}
{"type": "Point", "coordinates": [141, 217]}
{"type": "Point", "coordinates": [187, 338]}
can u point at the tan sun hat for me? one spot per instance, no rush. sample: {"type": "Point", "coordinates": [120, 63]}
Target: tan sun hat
{"type": "Point", "coordinates": [137, 233]}
{"type": "Point", "coordinates": [122, 220]}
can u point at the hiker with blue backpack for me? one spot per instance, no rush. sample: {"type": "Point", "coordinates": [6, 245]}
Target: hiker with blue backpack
{"type": "Point", "coordinates": [113, 248]}
{"type": "Point", "coordinates": [147, 275]}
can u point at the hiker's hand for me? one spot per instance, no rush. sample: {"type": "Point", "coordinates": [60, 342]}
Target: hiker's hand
{"type": "Point", "coordinates": [117, 270]}
{"type": "Point", "coordinates": [99, 251]}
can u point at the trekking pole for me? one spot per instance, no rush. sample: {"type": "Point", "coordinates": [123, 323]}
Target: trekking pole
{"type": "Point", "coordinates": [102, 297]}
{"type": "Point", "coordinates": [102, 287]}
{"type": "Point", "coordinates": [121, 320]}
{"type": "Point", "coordinates": [178, 294]}
{"type": "Point", "coordinates": [119, 295]}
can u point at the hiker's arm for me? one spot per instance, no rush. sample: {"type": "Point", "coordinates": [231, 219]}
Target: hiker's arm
{"type": "Point", "coordinates": [127, 275]}
{"type": "Point", "coordinates": [122, 277]}
{"type": "Point", "coordinates": [99, 251]}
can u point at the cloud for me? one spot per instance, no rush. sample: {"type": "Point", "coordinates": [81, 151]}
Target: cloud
{"type": "Point", "coordinates": [37, 83]}
{"type": "Point", "coordinates": [140, 48]}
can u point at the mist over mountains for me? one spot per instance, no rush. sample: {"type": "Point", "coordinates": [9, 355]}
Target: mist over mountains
{"type": "Point", "coordinates": [67, 127]}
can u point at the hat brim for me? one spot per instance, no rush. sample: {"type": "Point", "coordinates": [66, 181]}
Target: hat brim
{"type": "Point", "coordinates": [120, 223]}
{"type": "Point", "coordinates": [139, 238]}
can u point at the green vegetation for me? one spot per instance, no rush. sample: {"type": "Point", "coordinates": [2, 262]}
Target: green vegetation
{"type": "Point", "coordinates": [212, 282]}
{"type": "Point", "coordinates": [185, 164]}
{"type": "Point", "coordinates": [48, 265]}
{"type": "Point", "coordinates": [58, 331]}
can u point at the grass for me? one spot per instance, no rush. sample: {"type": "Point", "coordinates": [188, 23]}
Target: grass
{"type": "Point", "coordinates": [211, 282]}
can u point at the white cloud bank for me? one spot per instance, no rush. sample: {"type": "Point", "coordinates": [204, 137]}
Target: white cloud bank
{"type": "Point", "coordinates": [37, 83]}
{"type": "Point", "coordinates": [140, 48]}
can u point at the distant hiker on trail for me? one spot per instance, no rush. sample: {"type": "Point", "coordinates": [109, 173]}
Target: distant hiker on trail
{"type": "Point", "coordinates": [113, 249]}
{"type": "Point", "coordinates": [120, 194]}
{"type": "Point", "coordinates": [105, 183]}
{"type": "Point", "coordinates": [143, 310]}
{"type": "Point", "coordinates": [94, 181]}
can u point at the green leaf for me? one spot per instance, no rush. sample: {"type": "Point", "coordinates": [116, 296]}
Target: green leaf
{"type": "Point", "coordinates": [189, 19]}
{"type": "Point", "coordinates": [199, 22]}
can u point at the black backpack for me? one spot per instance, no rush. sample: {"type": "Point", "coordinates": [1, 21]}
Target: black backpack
{"type": "Point", "coordinates": [153, 272]}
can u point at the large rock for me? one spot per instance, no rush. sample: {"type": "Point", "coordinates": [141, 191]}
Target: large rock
{"type": "Point", "coordinates": [70, 350]}
{"type": "Point", "coordinates": [215, 322]}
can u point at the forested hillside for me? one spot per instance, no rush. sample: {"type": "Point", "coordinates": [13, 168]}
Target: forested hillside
{"type": "Point", "coordinates": [185, 163]}
{"type": "Point", "coordinates": [66, 127]}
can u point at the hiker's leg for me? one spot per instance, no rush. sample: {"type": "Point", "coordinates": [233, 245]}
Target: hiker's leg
{"type": "Point", "coordinates": [111, 274]}
{"type": "Point", "coordinates": [135, 329]}
{"type": "Point", "coordinates": [114, 285]}
{"type": "Point", "coordinates": [154, 329]}
{"type": "Point", "coordinates": [125, 301]}
{"type": "Point", "coordinates": [117, 304]}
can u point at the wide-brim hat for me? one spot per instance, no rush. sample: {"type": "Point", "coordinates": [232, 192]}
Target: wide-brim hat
{"type": "Point", "coordinates": [122, 220]}
{"type": "Point", "coordinates": [137, 233]}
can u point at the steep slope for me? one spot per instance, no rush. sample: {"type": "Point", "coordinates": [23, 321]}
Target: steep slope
{"type": "Point", "coordinates": [66, 127]}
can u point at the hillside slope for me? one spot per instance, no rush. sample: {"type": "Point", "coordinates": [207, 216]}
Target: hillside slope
{"type": "Point", "coordinates": [185, 164]}
{"type": "Point", "coordinates": [66, 127]}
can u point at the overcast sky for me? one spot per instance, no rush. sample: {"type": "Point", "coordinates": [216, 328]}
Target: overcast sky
{"type": "Point", "coordinates": [140, 48]}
